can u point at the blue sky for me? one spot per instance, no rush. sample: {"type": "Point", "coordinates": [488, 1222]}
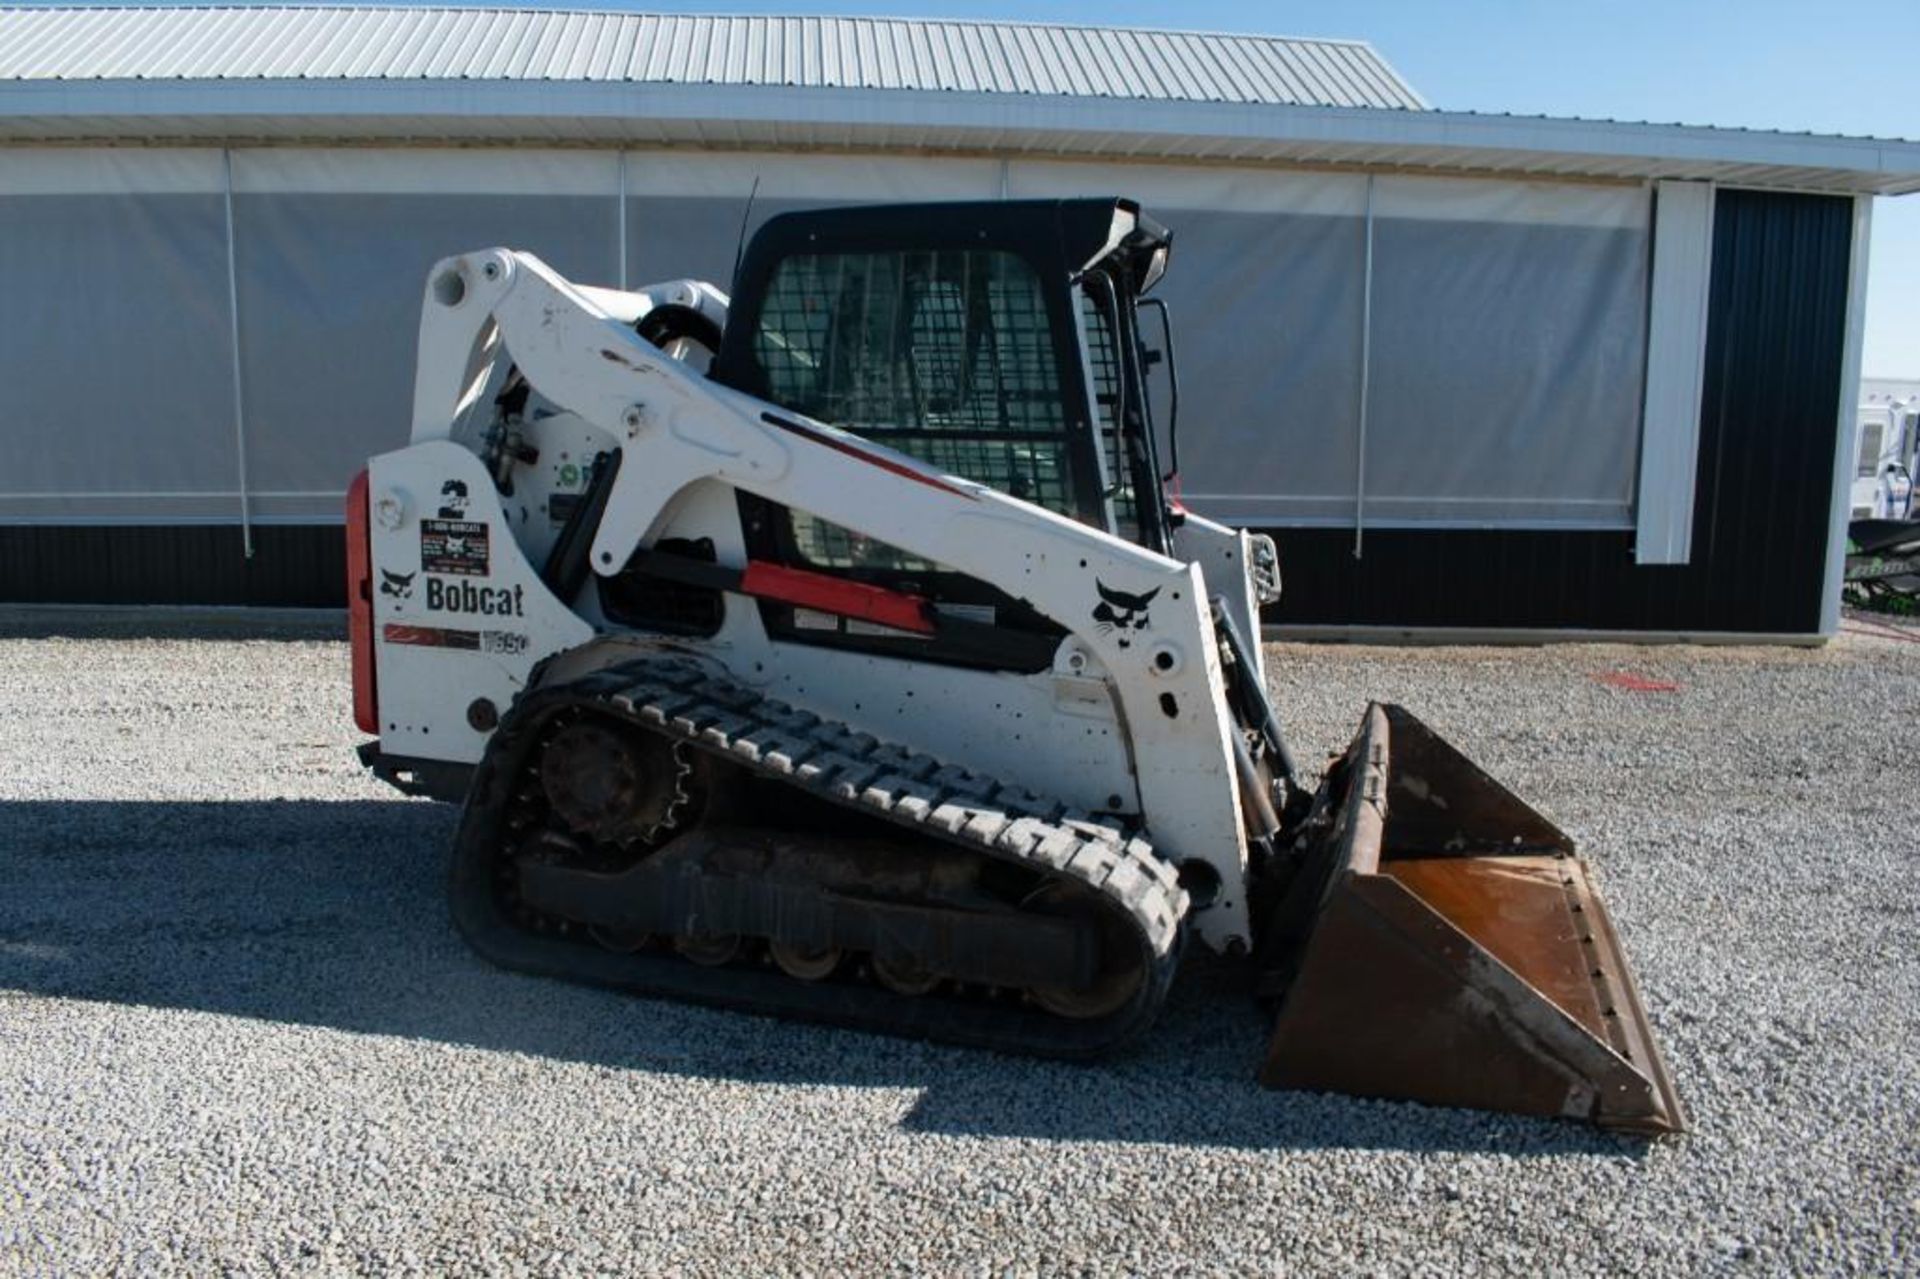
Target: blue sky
{"type": "Point", "coordinates": [1829, 68]}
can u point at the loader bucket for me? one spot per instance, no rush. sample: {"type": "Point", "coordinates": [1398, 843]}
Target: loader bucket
{"type": "Point", "coordinates": [1441, 943]}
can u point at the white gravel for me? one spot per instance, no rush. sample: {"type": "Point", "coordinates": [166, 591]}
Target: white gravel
{"type": "Point", "coordinates": [238, 1034]}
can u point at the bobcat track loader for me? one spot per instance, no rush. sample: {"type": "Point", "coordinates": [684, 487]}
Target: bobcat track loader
{"type": "Point", "coordinates": [834, 651]}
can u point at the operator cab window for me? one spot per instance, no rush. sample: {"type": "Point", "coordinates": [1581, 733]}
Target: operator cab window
{"type": "Point", "coordinates": [944, 355]}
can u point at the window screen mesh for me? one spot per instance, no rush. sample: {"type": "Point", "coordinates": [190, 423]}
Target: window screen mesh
{"type": "Point", "coordinates": [947, 356]}
{"type": "Point", "coordinates": [1103, 361]}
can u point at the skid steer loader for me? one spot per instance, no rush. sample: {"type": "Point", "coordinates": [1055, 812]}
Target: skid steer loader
{"type": "Point", "coordinates": [835, 651]}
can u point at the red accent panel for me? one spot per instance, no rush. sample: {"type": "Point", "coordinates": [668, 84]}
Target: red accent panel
{"type": "Point", "coordinates": [831, 594]}
{"type": "Point", "coordinates": [429, 636]}
{"type": "Point", "coordinates": [366, 700]}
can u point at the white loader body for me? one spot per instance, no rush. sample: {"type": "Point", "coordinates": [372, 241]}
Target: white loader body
{"type": "Point", "coordinates": [1149, 688]}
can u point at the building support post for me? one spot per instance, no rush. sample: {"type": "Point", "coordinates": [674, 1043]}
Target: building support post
{"type": "Point", "coordinates": [620, 221]}
{"type": "Point", "coordinates": [1366, 362]}
{"type": "Point", "coordinates": [233, 336]}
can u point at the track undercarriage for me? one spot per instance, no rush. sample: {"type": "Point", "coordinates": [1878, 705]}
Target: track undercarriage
{"type": "Point", "coordinates": [658, 827]}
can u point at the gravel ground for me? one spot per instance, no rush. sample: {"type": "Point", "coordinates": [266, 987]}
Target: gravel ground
{"type": "Point", "coordinates": [238, 1034]}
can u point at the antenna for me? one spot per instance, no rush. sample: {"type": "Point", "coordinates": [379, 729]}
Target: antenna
{"type": "Point", "coordinates": [740, 246]}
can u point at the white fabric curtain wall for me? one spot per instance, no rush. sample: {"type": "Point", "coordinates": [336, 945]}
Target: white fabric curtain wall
{"type": "Point", "coordinates": [1507, 319]}
{"type": "Point", "coordinates": [1509, 344]}
{"type": "Point", "coordinates": [115, 351]}
{"type": "Point", "coordinates": [1504, 374]}
{"type": "Point", "coordinates": [119, 359]}
{"type": "Point", "coordinates": [334, 248]}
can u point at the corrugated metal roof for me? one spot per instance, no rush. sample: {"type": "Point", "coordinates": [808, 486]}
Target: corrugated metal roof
{"type": "Point", "coordinates": [306, 76]}
{"type": "Point", "coordinates": [334, 43]}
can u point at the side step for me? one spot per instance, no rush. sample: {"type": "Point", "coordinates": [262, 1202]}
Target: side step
{"type": "Point", "coordinates": [1443, 944]}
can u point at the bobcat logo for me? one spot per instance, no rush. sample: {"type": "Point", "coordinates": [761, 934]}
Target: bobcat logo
{"type": "Point", "coordinates": [453, 500]}
{"type": "Point", "coordinates": [1120, 612]}
{"type": "Point", "coordinates": [398, 585]}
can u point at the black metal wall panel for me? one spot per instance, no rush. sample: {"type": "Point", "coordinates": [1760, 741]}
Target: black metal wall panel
{"type": "Point", "coordinates": [293, 566]}
{"type": "Point", "coordinates": [1769, 412]}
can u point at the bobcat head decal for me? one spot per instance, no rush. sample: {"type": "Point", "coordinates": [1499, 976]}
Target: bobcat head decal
{"type": "Point", "coordinates": [1121, 614]}
{"type": "Point", "coordinates": [398, 585]}
{"type": "Point", "coordinates": [453, 500]}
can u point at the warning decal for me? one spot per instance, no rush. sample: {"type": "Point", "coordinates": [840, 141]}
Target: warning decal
{"type": "Point", "coordinates": [454, 546]}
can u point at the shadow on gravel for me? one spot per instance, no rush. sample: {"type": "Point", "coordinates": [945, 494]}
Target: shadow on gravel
{"type": "Point", "coordinates": [331, 914]}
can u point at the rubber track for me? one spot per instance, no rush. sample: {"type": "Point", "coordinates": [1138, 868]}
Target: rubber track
{"type": "Point", "coordinates": [680, 699]}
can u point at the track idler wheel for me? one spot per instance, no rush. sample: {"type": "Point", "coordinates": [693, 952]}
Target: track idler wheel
{"type": "Point", "coordinates": [1121, 972]}
{"type": "Point", "coordinates": [806, 963]}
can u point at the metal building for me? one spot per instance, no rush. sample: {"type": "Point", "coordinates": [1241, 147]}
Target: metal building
{"type": "Point", "coordinates": [1476, 373]}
